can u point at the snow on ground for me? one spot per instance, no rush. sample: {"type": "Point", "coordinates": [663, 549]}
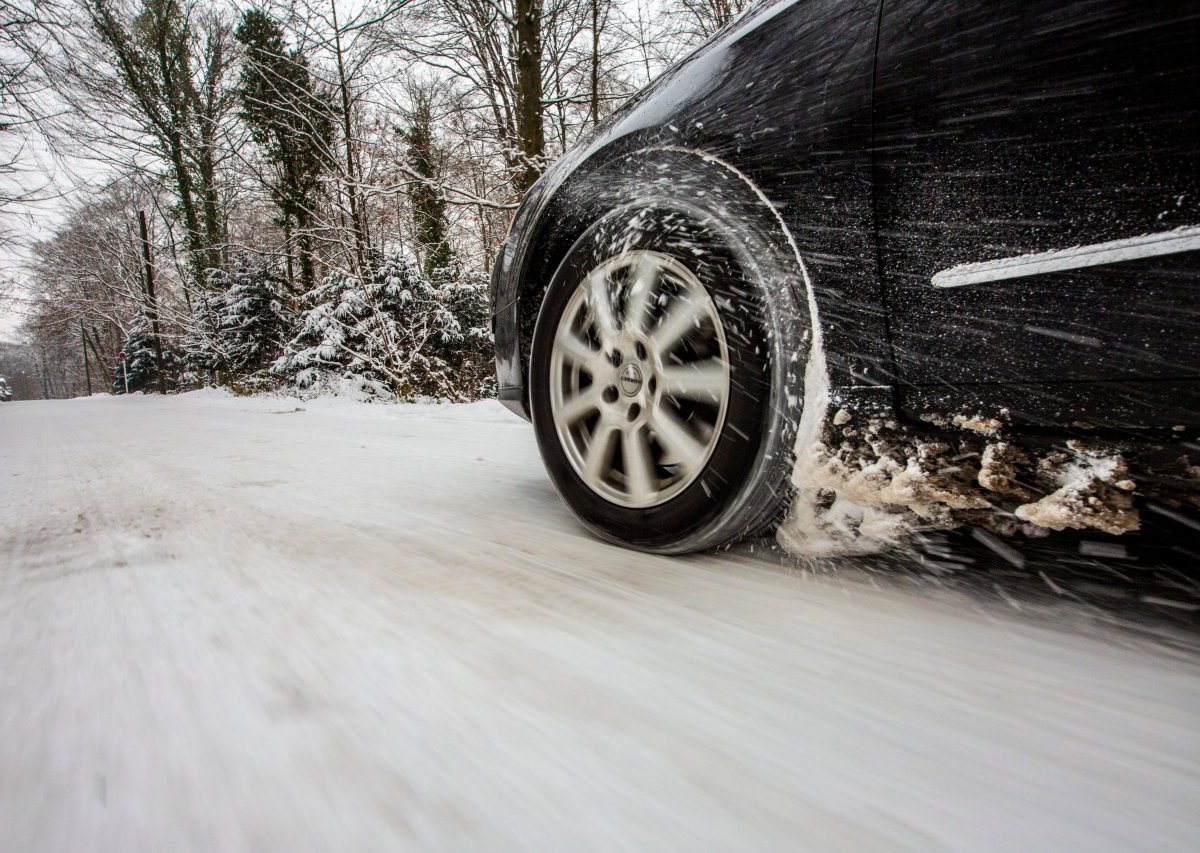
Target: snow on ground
{"type": "Point", "coordinates": [270, 624]}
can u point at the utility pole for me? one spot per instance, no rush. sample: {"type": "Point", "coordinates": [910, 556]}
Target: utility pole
{"type": "Point", "coordinates": [149, 268]}
{"type": "Point", "coordinates": [87, 369]}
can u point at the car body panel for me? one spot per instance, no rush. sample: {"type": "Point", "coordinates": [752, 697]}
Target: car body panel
{"type": "Point", "coordinates": [1063, 131]}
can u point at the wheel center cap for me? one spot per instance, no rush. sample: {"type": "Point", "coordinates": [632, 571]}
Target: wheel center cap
{"type": "Point", "coordinates": [630, 379]}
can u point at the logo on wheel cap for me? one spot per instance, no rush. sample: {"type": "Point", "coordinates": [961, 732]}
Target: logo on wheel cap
{"type": "Point", "coordinates": [631, 379]}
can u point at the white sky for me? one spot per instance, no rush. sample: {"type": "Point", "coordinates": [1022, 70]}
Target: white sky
{"type": "Point", "coordinates": [24, 223]}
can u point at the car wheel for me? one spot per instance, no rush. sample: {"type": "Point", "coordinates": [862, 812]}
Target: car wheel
{"type": "Point", "coordinates": [657, 379]}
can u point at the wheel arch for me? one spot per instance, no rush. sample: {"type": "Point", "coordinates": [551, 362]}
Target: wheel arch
{"type": "Point", "coordinates": [589, 194]}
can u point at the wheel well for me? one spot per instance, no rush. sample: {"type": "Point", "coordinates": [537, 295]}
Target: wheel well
{"type": "Point", "coordinates": [587, 196]}
{"type": "Point", "coordinates": [545, 255]}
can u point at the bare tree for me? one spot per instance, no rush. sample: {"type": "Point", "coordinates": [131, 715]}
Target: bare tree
{"type": "Point", "coordinates": [522, 61]}
{"type": "Point", "coordinates": [351, 46]}
{"type": "Point", "coordinates": [29, 33]}
{"type": "Point", "coordinates": [90, 276]}
{"type": "Point", "coordinates": [697, 20]}
{"type": "Point", "coordinates": [154, 82]}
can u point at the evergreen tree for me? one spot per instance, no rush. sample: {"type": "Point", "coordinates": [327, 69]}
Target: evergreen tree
{"type": "Point", "coordinates": [253, 326]}
{"type": "Point", "coordinates": [202, 349]}
{"type": "Point", "coordinates": [292, 119]}
{"type": "Point", "coordinates": [397, 331]}
{"type": "Point", "coordinates": [470, 351]}
{"type": "Point", "coordinates": [140, 364]}
{"type": "Point", "coordinates": [239, 323]}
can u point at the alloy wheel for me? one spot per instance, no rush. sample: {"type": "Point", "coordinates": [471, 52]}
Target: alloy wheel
{"type": "Point", "coordinates": [639, 378]}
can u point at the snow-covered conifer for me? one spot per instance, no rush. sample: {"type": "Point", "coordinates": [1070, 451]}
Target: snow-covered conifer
{"type": "Point", "coordinates": [202, 350]}
{"type": "Point", "coordinates": [253, 325]}
{"type": "Point", "coordinates": [469, 352]}
{"type": "Point", "coordinates": [140, 362]}
{"type": "Point", "coordinates": [397, 332]}
{"type": "Point", "coordinates": [239, 323]}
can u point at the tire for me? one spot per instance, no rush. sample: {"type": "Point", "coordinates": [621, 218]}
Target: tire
{"type": "Point", "coordinates": [728, 275]}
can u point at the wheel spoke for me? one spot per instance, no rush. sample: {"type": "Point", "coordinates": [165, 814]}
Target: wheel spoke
{"type": "Point", "coordinates": [599, 301]}
{"type": "Point", "coordinates": [599, 451]}
{"type": "Point", "coordinates": [682, 316]}
{"type": "Point", "coordinates": [637, 304]}
{"type": "Point", "coordinates": [639, 473]}
{"type": "Point", "coordinates": [578, 351]}
{"type": "Point", "coordinates": [587, 401]}
{"type": "Point", "coordinates": [704, 381]}
{"type": "Point", "coordinates": [682, 449]}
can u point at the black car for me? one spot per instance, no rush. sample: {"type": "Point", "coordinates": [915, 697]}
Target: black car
{"type": "Point", "coordinates": [931, 211]}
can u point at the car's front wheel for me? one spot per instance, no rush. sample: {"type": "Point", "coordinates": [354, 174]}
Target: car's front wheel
{"type": "Point", "coordinates": [654, 382]}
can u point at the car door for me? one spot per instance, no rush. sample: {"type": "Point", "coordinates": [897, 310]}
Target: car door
{"type": "Point", "coordinates": [1037, 170]}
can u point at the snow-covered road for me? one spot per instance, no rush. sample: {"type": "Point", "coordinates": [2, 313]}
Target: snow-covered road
{"type": "Point", "coordinates": [230, 625]}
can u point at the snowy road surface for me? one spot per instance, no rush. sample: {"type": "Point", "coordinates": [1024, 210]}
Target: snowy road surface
{"type": "Point", "coordinates": [231, 625]}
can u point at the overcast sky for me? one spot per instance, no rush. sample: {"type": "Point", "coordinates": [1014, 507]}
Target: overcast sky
{"type": "Point", "coordinates": [22, 224]}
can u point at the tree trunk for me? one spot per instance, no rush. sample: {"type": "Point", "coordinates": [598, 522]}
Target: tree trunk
{"type": "Point", "coordinates": [357, 223]}
{"type": "Point", "coordinates": [87, 367]}
{"type": "Point", "coordinates": [187, 202]}
{"type": "Point", "coordinates": [214, 237]}
{"type": "Point", "coordinates": [308, 273]}
{"type": "Point", "coordinates": [174, 99]}
{"type": "Point", "coordinates": [214, 225]}
{"type": "Point", "coordinates": [287, 253]}
{"type": "Point", "coordinates": [94, 342]}
{"type": "Point", "coordinates": [530, 129]}
{"type": "Point", "coordinates": [46, 389]}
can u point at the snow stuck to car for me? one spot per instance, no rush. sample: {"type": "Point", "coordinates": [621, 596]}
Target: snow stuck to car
{"type": "Point", "coordinates": [864, 482]}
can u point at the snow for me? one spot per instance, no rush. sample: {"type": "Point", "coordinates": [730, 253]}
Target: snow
{"type": "Point", "coordinates": [243, 623]}
{"type": "Point", "coordinates": [864, 487]}
{"type": "Point", "coordinates": [867, 483]}
{"type": "Point", "coordinates": [1092, 487]}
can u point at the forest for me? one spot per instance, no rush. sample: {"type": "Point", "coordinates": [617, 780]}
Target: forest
{"type": "Point", "coordinates": [303, 194]}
